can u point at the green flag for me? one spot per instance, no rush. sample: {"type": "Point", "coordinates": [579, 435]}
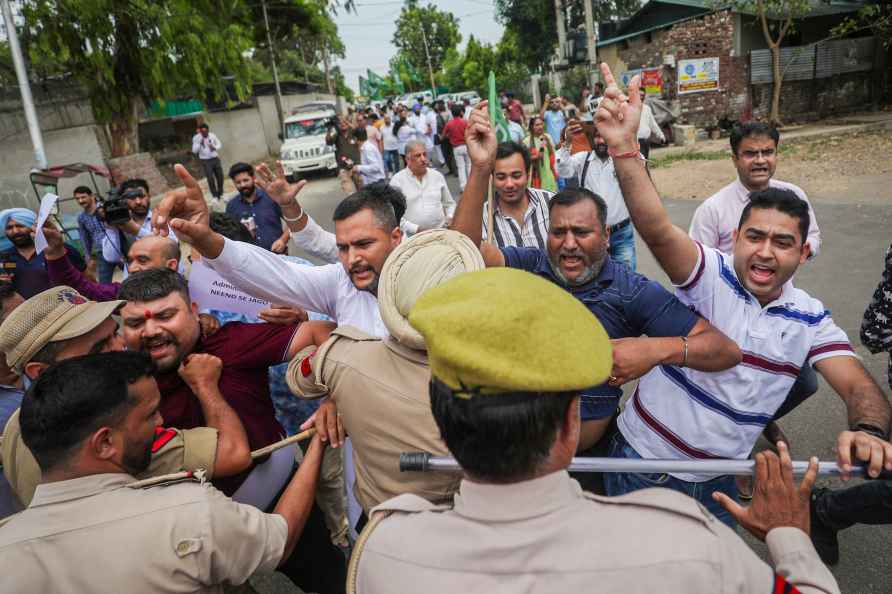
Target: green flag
{"type": "Point", "coordinates": [496, 117]}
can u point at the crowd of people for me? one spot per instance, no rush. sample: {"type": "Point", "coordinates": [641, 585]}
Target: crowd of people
{"type": "Point", "coordinates": [138, 421]}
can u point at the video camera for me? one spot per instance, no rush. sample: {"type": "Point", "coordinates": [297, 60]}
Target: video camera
{"type": "Point", "coordinates": [113, 208]}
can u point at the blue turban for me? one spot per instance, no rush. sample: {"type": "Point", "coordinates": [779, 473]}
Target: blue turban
{"type": "Point", "coordinates": [22, 215]}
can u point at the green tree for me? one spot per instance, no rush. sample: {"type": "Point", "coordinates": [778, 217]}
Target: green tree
{"type": "Point", "coordinates": [535, 22]}
{"type": "Point", "coordinates": [126, 54]}
{"type": "Point", "coordinates": [777, 18]}
{"type": "Point", "coordinates": [875, 16]}
{"type": "Point", "coordinates": [423, 36]}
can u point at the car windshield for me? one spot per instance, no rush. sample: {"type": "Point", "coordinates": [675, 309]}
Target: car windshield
{"type": "Point", "coordinates": [304, 128]}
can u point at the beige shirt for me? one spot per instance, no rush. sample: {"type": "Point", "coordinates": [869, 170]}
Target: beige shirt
{"type": "Point", "coordinates": [95, 534]}
{"type": "Point", "coordinates": [381, 390]}
{"type": "Point", "coordinates": [174, 450]}
{"type": "Point", "coordinates": [547, 535]}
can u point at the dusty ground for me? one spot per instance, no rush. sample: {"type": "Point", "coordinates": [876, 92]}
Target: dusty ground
{"type": "Point", "coordinates": [850, 168]}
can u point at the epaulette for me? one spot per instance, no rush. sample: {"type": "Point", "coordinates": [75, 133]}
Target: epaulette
{"type": "Point", "coordinates": [199, 476]}
{"type": "Point", "coordinates": [352, 333]}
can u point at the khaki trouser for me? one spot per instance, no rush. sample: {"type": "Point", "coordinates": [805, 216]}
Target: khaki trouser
{"type": "Point", "coordinates": [349, 183]}
{"type": "Point", "coordinates": [331, 494]}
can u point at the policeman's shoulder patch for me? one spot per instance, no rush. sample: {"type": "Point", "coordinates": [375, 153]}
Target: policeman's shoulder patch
{"type": "Point", "coordinates": [163, 435]}
{"type": "Point", "coordinates": [660, 499]}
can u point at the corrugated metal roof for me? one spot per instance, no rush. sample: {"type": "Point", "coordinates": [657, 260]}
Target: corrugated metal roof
{"type": "Point", "coordinates": [648, 19]}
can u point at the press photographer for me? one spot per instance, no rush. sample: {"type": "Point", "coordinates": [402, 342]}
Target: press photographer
{"type": "Point", "coordinates": [124, 229]}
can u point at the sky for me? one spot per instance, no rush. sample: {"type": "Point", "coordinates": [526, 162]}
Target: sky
{"type": "Point", "coordinates": [367, 34]}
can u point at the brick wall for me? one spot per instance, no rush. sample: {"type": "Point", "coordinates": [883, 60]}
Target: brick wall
{"type": "Point", "coordinates": [139, 165]}
{"type": "Point", "coordinates": [812, 99]}
{"type": "Point", "coordinates": [706, 37]}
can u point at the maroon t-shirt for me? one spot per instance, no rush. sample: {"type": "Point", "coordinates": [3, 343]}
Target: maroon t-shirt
{"type": "Point", "coordinates": [247, 352]}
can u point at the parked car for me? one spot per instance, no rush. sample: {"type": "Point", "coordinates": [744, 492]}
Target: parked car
{"type": "Point", "coordinates": [304, 148]}
{"type": "Point", "coordinates": [472, 96]}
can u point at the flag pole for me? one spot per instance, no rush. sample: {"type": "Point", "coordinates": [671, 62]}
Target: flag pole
{"type": "Point", "coordinates": [490, 213]}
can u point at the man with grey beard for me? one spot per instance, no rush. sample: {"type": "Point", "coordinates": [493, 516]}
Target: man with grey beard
{"type": "Point", "coordinates": [648, 325]}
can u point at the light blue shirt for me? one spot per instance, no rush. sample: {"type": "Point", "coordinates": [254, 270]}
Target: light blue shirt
{"type": "Point", "coordinates": [554, 124]}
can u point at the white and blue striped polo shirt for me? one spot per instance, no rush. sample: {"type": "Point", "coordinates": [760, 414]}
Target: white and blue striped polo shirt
{"type": "Point", "coordinates": [684, 413]}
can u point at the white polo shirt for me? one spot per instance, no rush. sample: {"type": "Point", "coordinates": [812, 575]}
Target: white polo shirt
{"type": "Point", "coordinates": [428, 202]}
{"type": "Point", "coordinates": [679, 413]}
{"type": "Point", "coordinates": [715, 220]}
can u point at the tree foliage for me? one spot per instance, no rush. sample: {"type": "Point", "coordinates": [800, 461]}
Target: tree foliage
{"type": "Point", "coordinates": [777, 18]}
{"type": "Point", "coordinates": [535, 22]}
{"type": "Point", "coordinates": [875, 17]}
{"type": "Point", "coordinates": [128, 53]}
{"type": "Point", "coordinates": [469, 70]}
{"type": "Point", "coordinates": [417, 24]}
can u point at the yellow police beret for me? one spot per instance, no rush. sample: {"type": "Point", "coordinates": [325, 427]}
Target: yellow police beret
{"type": "Point", "coordinates": [505, 330]}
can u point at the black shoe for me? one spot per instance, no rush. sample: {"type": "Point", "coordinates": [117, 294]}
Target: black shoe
{"type": "Point", "coordinates": [823, 536]}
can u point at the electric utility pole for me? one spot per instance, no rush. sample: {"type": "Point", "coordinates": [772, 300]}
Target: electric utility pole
{"type": "Point", "coordinates": [272, 60]}
{"type": "Point", "coordinates": [591, 42]}
{"type": "Point", "coordinates": [429, 69]}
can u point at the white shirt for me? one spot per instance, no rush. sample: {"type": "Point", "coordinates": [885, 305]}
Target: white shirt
{"type": "Point", "coordinates": [405, 134]}
{"type": "Point", "coordinates": [649, 126]}
{"type": "Point", "coordinates": [317, 242]}
{"type": "Point", "coordinates": [391, 143]}
{"type": "Point", "coordinates": [428, 202]}
{"type": "Point", "coordinates": [431, 118]}
{"type": "Point", "coordinates": [206, 147]}
{"type": "Point", "coordinates": [516, 131]}
{"type": "Point", "coordinates": [715, 220]}
{"type": "Point", "coordinates": [111, 242]}
{"type": "Point", "coordinates": [324, 289]}
{"type": "Point", "coordinates": [680, 413]}
{"type": "Point", "coordinates": [372, 167]}
{"type": "Point", "coordinates": [600, 179]}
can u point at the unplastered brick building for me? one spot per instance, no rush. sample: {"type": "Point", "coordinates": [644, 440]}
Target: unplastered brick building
{"type": "Point", "coordinates": [715, 62]}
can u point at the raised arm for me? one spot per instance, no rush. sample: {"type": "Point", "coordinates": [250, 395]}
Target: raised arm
{"type": "Point", "coordinates": [480, 138]}
{"type": "Point", "coordinates": [201, 372]}
{"type": "Point", "coordinates": [249, 267]}
{"type": "Point", "coordinates": [617, 119]}
{"type": "Point", "coordinates": [62, 272]}
{"type": "Point", "coordinates": [306, 232]}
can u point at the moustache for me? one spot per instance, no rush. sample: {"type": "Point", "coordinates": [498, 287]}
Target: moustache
{"type": "Point", "coordinates": [358, 268]}
{"type": "Point", "coordinates": [156, 341]}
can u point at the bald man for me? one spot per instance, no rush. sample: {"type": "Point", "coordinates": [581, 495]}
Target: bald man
{"type": "Point", "coordinates": [152, 251]}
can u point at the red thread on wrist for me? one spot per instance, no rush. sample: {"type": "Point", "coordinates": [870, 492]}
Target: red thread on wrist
{"type": "Point", "coordinates": [627, 155]}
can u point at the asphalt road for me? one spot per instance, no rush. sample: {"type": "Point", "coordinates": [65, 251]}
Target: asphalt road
{"type": "Point", "coordinates": [856, 235]}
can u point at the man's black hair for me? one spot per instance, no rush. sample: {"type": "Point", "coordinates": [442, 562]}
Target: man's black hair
{"type": "Point", "coordinates": [499, 438]}
{"type": "Point", "coordinates": [509, 148]}
{"type": "Point", "coordinates": [751, 129]}
{"type": "Point", "coordinates": [132, 183]}
{"type": "Point", "coordinates": [203, 126]}
{"type": "Point", "coordinates": [83, 190]}
{"type": "Point", "coordinates": [386, 202]}
{"type": "Point", "coordinates": [570, 196]}
{"type": "Point", "coordinates": [785, 201]}
{"type": "Point", "coordinates": [240, 167]}
{"type": "Point", "coordinates": [71, 400]}
{"type": "Point", "coordinates": [457, 111]}
{"type": "Point", "coordinates": [153, 284]}
{"type": "Point", "coordinates": [230, 227]}
{"type": "Point", "coordinates": [361, 134]}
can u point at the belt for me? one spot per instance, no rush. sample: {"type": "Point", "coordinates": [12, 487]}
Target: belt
{"type": "Point", "coordinates": [621, 225]}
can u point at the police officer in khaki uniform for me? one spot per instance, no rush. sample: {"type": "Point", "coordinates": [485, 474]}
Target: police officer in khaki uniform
{"type": "Point", "coordinates": [58, 324]}
{"type": "Point", "coordinates": [379, 388]}
{"type": "Point", "coordinates": [509, 353]}
{"type": "Point", "coordinates": [182, 537]}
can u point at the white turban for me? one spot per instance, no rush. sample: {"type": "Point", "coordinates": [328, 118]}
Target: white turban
{"type": "Point", "coordinates": [426, 260]}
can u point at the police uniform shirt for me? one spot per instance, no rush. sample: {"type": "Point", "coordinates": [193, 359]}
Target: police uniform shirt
{"type": "Point", "coordinates": [172, 451]}
{"type": "Point", "coordinates": [381, 390]}
{"type": "Point", "coordinates": [96, 534]}
{"type": "Point", "coordinates": [547, 535]}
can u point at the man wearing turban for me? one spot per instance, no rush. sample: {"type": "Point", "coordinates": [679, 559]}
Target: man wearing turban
{"type": "Point", "coordinates": [20, 264]}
